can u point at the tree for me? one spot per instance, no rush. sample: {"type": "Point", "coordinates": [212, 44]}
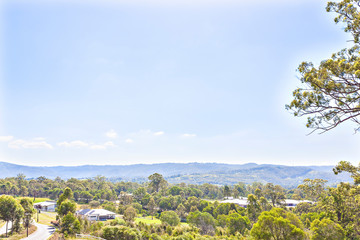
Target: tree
{"type": "Point", "coordinates": [326, 229]}
{"type": "Point", "coordinates": [344, 166]}
{"type": "Point", "coordinates": [331, 92]}
{"type": "Point", "coordinates": [130, 214]}
{"type": "Point", "coordinates": [139, 194]}
{"type": "Point", "coordinates": [125, 198]}
{"type": "Point", "coordinates": [313, 188]}
{"type": "Point", "coordinates": [67, 194]}
{"type": "Point", "coordinates": [278, 224]}
{"type": "Point", "coordinates": [181, 211]}
{"type": "Point", "coordinates": [342, 204]}
{"type": "Point", "coordinates": [253, 208]}
{"type": "Point", "coordinates": [170, 217]}
{"type": "Point", "coordinates": [87, 196]}
{"type": "Point", "coordinates": [8, 209]}
{"type": "Point", "coordinates": [157, 182]}
{"type": "Point", "coordinates": [204, 221]}
{"type": "Point", "coordinates": [29, 211]}
{"type": "Point", "coordinates": [227, 191]}
{"type": "Point", "coordinates": [70, 225]}
{"type": "Point", "coordinates": [275, 193]}
{"type": "Point", "coordinates": [17, 215]}
{"type": "Point", "coordinates": [66, 207]}
{"type": "Point", "coordinates": [237, 223]}
{"type": "Point", "coordinates": [152, 207]}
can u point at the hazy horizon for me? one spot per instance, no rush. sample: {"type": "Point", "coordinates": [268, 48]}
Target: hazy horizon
{"type": "Point", "coordinates": [142, 82]}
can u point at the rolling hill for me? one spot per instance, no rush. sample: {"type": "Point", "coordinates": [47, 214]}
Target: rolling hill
{"type": "Point", "coordinates": [191, 173]}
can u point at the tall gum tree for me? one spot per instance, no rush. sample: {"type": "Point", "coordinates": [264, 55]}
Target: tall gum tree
{"type": "Point", "coordinates": [330, 94]}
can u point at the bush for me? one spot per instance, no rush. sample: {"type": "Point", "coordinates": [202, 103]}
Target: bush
{"type": "Point", "coordinates": [170, 217]}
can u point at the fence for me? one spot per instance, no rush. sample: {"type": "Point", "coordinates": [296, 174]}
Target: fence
{"type": "Point", "coordinates": [88, 236]}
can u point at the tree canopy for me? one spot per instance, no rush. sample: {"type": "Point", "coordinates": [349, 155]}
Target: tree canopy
{"type": "Point", "coordinates": [331, 91]}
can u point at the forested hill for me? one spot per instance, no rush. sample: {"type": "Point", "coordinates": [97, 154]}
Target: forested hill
{"type": "Point", "coordinates": [195, 173]}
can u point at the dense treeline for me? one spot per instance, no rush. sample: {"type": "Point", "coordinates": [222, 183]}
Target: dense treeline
{"type": "Point", "coordinates": [195, 211]}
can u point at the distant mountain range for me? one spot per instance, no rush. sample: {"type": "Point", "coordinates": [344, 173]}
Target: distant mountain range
{"type": "Point", "coordinates": [194, 173]}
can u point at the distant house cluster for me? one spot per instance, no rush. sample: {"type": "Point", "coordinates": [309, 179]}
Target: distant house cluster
{"type": "Point", "coordinates": [47, 206]}
{"type": "Point", "coordinates": [96, 214]}
{"type": "Point", "coordinates": [243, 202]}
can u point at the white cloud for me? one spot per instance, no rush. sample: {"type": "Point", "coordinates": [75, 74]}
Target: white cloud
{"type": "Point", "coordinates": [188, 135]}
{"type": "Point", "coordinates": [98, 147]}
{"type": "Point", "coordinates": [111, 134]}
{"type": "Point", "coordinates": [159, 133]}
{"type": "Point", "coordinates": [109, 144]}
{"type": "Point", "coordinates": [81, 144]}
{"type": "Point", "coordinates": [19, 143]}
{"type": "Point", "coordinates": [75, 144]}
{"type": "Point", "coordinates": [6, 138]}
{"type": "Point", "coordinates": [39, 139]}
{"type": "Point", "coordinates": [129, 140]}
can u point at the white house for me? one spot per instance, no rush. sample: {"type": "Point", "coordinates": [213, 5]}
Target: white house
{"type": "Point", "coordinates": [242, 202]}
{"type": "Point", "coordinates": [47, 206]}
{"type": "Point", "coordinates": [293, 203]}
{"type": "Point", "coordinates": [96, 214]}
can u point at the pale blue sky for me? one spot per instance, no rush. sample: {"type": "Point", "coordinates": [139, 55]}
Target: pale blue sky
{"type": "Point", "coordinates": [121, 82]}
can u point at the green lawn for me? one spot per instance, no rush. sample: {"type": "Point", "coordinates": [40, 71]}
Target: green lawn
{"type": "Point", "coordinates": [46, 218]}
{"type": "Point", "coordinates": [37, 200]}
{"type": "Point", "coordinates": [148, 220]}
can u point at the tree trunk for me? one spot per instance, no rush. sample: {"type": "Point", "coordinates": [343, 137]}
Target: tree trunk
{"type": "Point", "coordinates": [6, 228]}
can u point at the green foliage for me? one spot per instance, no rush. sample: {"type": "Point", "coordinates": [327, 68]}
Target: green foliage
{"type": "Point", "coordinates": [278, 224]}
{"type": "Point", "coordinates": [130, 214]}
{"type": "Point", "coordinates": [157, 182]}
{"type": "Point", "coordinates": [204, 221]}
{"type": "Point", "coordinates": [326, 229]}
{"type": "Point", "coordinates": [237, 223]}
{"type": "Point", "coordinates": [121, 232]}
{"type": "Point", "coordinates": [66, 195]}
{"type": "Point", "coordinates": [170, 217]}
{"type": "Point", "coordinates": [11, 210]}
{"type": "Point", "coordinates": [313, 188]}
{"type": "Point", "coordinates": [70, 225]}
{"type": "Point", "coordinates": [332, 91]}
{"type": "Point", "coordinates": [253, 209]}
{"type": "Point", "coordinates": [66, 207]}
{"type": "Point", "coordinates": [29, 211]}
{"type": "Point", "coordinates": [110, 206]}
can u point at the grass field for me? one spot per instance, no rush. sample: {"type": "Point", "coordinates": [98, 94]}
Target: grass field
{"type": "Point", "coordinates": [148, 220]}
{"type": "Point", "coordinates": [46, 218]}
{"type": "Point", "coordinates": [37, 200]}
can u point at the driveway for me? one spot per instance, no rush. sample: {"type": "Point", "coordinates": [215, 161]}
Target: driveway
{"type": "Point", "coordinates": [3, 228]}
{"type": "Point", "coordinates": [42, 232]}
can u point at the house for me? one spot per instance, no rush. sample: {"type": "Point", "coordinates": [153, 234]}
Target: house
{"type": "Point", "coordinates": [47, 206]}
{"type": "Point", "coordinates": [96, 214]}
{"type": "Point", "coordinates": [293, 203]}
{"type": "Point", "coordinates": [242, 202]}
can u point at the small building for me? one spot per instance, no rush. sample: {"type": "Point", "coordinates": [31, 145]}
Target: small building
{"type": "Point", "coordinates": [242, 201]}
{"type": "Point", "coordinates": [47, 206]}
{"type": "Point", "coordinates": [96, 214]}
{"type": "Point", "coordinates": [293, 203]}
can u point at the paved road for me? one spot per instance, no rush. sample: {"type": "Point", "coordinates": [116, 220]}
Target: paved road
{"type": "Point", "coordinates": [43, 232]}
{"type": "Point", "coordinates": [3, 228]}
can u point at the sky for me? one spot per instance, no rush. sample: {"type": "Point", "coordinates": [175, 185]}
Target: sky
{"type": "Point", "coordinates": [151, 81]}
